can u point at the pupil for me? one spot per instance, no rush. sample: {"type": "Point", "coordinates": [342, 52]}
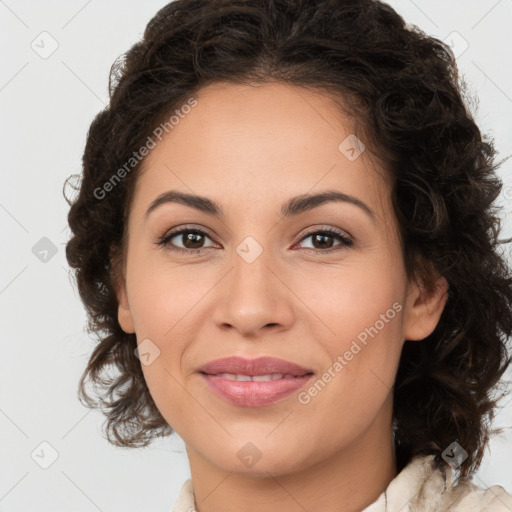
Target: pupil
{"type": "Point", "coordinates": [190, 238]}
{"type": "Point", "coordinates": [322, 237]}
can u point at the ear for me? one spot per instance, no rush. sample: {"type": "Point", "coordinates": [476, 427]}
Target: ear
{"type": "Point", "coordinates": [124, 315]}
{"type": "Point", "coordinates": [424, 309]}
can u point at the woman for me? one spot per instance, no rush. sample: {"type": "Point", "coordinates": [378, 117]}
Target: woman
{"type": "Point", "coordinates": [285, 239]}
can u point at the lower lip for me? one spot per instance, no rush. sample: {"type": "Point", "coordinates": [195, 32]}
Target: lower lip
{"type": "Point", "coordinates": [253, 393]}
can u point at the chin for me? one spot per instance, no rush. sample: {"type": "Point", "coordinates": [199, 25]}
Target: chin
{"type": "Point", "coordinates": [248, 459]}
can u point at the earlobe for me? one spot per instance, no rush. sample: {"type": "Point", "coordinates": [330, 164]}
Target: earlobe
{"type": "Point", "coordinates": [424, 309]}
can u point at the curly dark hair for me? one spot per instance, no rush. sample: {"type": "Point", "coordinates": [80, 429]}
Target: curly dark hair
{"type": "Point", "coordinates": [409, 104]}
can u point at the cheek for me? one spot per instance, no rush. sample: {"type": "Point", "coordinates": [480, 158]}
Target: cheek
{"type": "Point", "coordinates": [160, 295]}
{"type": "Point", "coordinates": [353, 298]}
{"type": "Point", "coordinates": [364, 357]}
{"type": "Point", "coordinates": [361, 311]}
{"type": "Point", "coordinates": [162, 300]}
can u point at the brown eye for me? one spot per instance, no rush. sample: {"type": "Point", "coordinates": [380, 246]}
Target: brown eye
{"type": "Point", "coordinates": [192, 240]}
{"type": "Point", "coordinates": [322, 240]}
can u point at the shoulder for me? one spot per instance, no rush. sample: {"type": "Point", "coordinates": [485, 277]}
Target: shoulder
{"type": "Point", "coordinates": [423, 487]}
{"type": "Point", "coordinates": [185, 501]}
{"type": "Point", "coordinates": [438, 492]}
{"type": "Point", "coordinates": [469, 497]}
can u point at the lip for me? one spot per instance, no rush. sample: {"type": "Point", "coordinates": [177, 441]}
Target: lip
{"type": "Point", "coordinates": [258, 366]}
{"type": "Point", "coordinates": [254, 393]}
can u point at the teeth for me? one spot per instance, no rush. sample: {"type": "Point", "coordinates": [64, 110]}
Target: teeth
{"type": "Point", "coordinates": [257, 378]}
{"type": "Point", "coordinates": [263, 378]}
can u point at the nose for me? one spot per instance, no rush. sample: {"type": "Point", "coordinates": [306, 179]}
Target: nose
{"type": "Point", "coordinates": [253, 296]}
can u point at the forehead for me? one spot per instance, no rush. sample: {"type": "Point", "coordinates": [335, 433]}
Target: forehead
{"type": "Point", "coordinates": [261, 142]}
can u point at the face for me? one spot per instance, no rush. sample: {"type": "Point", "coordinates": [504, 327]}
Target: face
{"type": "Point", "coordinates": [322, 286]}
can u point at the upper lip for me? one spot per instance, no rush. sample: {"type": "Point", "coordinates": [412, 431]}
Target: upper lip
{"type": "Point", "coordinates": [259, 366]}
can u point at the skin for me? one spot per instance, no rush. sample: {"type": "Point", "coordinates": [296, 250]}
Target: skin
{"type": "Point", "coordinates": [251, 148]}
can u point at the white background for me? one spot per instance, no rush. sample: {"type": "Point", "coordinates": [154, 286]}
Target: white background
{"type": "Point", "coordinates": [46, 106]}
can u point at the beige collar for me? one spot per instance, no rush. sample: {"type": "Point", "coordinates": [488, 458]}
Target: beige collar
{"type": "Point", "coordinates": [417, 488]}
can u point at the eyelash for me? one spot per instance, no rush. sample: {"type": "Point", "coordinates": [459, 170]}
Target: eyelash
{"type": "Point", "coordinates": [164, 240]}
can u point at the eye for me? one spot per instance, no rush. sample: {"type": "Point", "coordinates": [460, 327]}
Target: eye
{"type": "Point", "coordinates": [192, 239]}
{"type": "Point", "coordinates": [322, 240]}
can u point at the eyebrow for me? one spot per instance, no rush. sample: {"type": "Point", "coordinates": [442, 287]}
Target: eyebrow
{"type": "Point", "coordinates": [294, 206]}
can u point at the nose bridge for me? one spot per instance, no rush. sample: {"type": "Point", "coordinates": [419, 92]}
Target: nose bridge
{"type": "Point", "coordinates": [251, 262]}
{"type": "Point", "coordinates": [253, 296]}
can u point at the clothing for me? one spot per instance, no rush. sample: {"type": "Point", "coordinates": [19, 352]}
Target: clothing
{"type": "Point", "coordinates": [417, 488]}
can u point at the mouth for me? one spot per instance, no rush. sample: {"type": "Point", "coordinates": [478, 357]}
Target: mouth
{"type": "Point", "coordinates": [254, 382]}
{"type": "Point", "coordinates": [242, 377]}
